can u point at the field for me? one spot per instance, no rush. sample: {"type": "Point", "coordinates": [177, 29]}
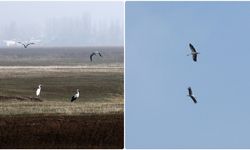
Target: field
{"type": "Point", "coordinates": [60, 56]}
{"type": "Point", "coordinates": [95, 120]}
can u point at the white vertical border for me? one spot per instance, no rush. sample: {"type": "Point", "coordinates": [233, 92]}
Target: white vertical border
{"type": "Point", "coordinates": [124, 74]}
{"type": "Point", "coordinates": [124, 71]}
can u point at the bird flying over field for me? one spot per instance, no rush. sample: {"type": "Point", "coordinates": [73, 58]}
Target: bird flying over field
{"type": "Point", "coordinates": [190, 94]}
{"type": "Point", "coordinates": [38, 91]}
{"type": "Point", "coordinates": [194, 53]}
{"type": "Point", "coordinates": [25, 45]}
{"type": "Point", "coordinates": [93, 54]}
{"type": "Point", "coordinates": [75, 96]}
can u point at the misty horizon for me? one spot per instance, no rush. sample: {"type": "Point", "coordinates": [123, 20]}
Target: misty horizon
{"type": "Point", "coordinates": [54, 24]}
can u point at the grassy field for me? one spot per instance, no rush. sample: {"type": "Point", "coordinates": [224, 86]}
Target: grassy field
{"type": "Point", "coordinates": [95, 120]}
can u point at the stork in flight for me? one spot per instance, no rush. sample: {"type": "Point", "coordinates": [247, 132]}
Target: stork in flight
{"type": "Point", "coordinates": [38, 91]}
{"type": "Point", "coordinates": [190, 94]}
{"type": "Point", "coordinates": [25, 45]}
{"type": "Point", "coordinates": [93, 54]}
{"type": "Point", "coordinates": [194, 53]}
{"type": "Point", "coordinates": [75, 96]}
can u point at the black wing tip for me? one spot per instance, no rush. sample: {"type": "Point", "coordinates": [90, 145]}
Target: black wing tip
{"type": "Point", "coordinates": [73, 98]}
{"type": "Point", "coordinates": [91, 55]}
{"type": "Point", "coordinates": [194, 99]}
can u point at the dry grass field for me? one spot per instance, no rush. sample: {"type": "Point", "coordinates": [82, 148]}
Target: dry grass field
{"type": "Point", "coordinates": [95, 120]}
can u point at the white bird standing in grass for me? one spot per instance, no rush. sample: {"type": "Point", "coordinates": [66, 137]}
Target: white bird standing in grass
{"type": "Point", "coordinates": [75, 96]}
{"type": "Point", "coordinates": [38, 91]}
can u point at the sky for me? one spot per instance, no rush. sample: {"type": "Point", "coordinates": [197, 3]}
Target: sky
{"type": "Point", "coordinates": [62, 23]}
{"type": "Point", "coordinates": [158, 72]}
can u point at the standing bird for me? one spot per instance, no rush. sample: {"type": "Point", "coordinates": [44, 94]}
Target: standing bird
{"type": "Point", "coordinates": [75, 96]}
{"type": "Point", "coordinates": [25, 45]}
{"type": "Point", "coordinates": [190, 94]}
{"type": "Point", "coordinates": [194, 53]}
{"type": "Point", "coordinates": [38, 91]}
{"type": "Point", "coordinates": [95, 53]}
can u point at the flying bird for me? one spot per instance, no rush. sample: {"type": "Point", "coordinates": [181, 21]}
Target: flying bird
{"type": "Point", "coordinates": [38, 91]}
{"type": "Point", "coordinates": [25, 45]}
{"type": "Point", "coordinates": [93, 54]}
{"type": "Point", "coordinates": [75, 96]}
{"type": "Point", "coordinates": [194, 53]}
{"type": "Point", "coordinates": [190, 94]}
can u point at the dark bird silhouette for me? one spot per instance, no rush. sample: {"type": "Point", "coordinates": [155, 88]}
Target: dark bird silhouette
{"type": "Point", "coordinates": [93, 54]}
{"type": "Point", "coordinates": [75, 96]}
{"type": "Point", "coordinates": [190, 94]}
{"type": "Point", "coordinates": [194, 53]}
{"type": "Point", "coordinates": [25, 45]}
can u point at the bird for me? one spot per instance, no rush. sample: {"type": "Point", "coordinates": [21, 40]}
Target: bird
{"type": "Point", "coordinates": [38, 90]}
{"type": "Point", "coordinates": [194, 53]}
{"type": "Point", "coordinates": [25, 45]}
{"type": "Point", "coordinates": [75, 96]}
{"type": "Point", "coordinates": [95, 53]}
{"type": "Point", "coordinates": [190, 94]}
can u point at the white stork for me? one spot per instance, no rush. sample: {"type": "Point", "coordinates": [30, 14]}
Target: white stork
{"type": "Point", "coordinates": [75, 96]}
{"type": "Point", "coordinates": [25, 45]}
{"type": "Point", "coordinates": [194, 53]}
{"type": "Point", "coordinates": [95, 53]}
{"type": "Point", "coordinates": [190, 94]}
{"type": "Point", "coordinates": [38, 90]}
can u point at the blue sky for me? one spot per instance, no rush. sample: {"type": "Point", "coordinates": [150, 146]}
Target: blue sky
{"type": "Point", "coordinates": [158, 72]}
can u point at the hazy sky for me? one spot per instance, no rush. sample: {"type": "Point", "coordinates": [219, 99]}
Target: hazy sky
{"type": "Point", "coordinates": [158, 72]}
{"type": "Point", "coordinates": [63, 23]}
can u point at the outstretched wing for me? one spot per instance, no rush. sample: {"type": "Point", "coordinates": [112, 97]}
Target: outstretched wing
{"type": "Point", "coordinates": [22, 44]}
{"type": "Point", "coordinates": [192, 47]}
{"type": "Point", "coordinates": [29, 44]}
{"type": "Point", "coordinates": [193, 98]}
{"type": "Point", "coordinates": [195, 57]}
{"type": "Point", "coordinates": [190, 91]}
{"type": "Point", "coordinates": [91, 56]}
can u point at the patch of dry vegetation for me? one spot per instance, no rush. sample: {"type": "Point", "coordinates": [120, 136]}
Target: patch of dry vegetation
{"type": "Point", "coordinates": [100, 92]}
{"type": "Point", "coordinates": [39, 131]}
{"type": "Point", "coordinates": [113, 106]}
